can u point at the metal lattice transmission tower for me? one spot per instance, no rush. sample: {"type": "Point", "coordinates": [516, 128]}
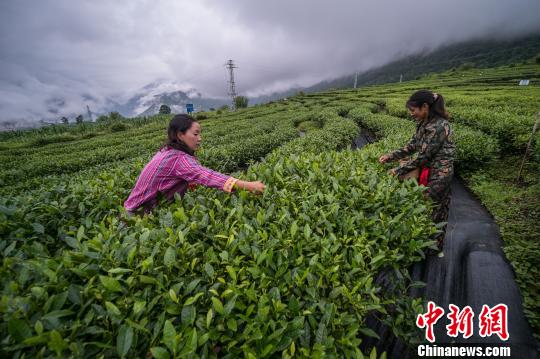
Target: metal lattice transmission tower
{"type": "Point", "coordinates": [232, 87]}
{"type": "Point", "coordinates": [89, 113]}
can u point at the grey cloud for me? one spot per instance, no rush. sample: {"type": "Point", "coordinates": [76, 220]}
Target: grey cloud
{"type": "Point", "coordinates": [90, 52]}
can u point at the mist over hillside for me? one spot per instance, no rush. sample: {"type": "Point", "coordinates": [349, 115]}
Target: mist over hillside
{"type": "Point", "coordinates": [176, 94]}
{"type": "Point", "coordinates": [477, 53]}
{"type": "Point", "coordinates": [60, 56]}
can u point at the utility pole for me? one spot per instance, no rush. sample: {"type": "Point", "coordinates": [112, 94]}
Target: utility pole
{"type": "Point", "coordinates": [355, 79]}
{"type": "Point", "coordinates": [232, 90]}
{"type": "Point", "coordinates": [535, 128]}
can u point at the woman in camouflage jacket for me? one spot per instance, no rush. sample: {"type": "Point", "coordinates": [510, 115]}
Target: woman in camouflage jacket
{"type": "Point", "coordinates": [435, 151]}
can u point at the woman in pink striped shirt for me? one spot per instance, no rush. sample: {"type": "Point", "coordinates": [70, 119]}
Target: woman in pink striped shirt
{"type": "Point", "coordinates": [174, 168]}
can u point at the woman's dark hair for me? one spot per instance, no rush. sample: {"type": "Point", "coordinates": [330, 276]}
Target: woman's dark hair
{"type": "Point", "coordinates": [179, 123]}
{"type": "Point", "coordinates": [434, 101]}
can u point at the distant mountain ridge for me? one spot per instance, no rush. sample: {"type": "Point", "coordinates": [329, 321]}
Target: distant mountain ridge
{"type": "Point", "coordinates": [477, 53]}
{"type": "Point", "coordinates": [150, 98]}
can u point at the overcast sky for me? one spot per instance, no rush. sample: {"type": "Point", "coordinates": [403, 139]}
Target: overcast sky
{"type": "Point", "coordinates": [84, 52]}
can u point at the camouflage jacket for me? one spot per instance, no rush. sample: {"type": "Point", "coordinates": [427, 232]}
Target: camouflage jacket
{"type": "Point", "coordinates": [434, 146]}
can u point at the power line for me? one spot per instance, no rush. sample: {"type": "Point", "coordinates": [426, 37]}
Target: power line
{"type": "Point", "coordinates": [264, 68]}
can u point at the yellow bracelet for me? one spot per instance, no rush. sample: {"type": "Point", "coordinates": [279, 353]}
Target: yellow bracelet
{"type": "Point", "coordinates": [229, 184]}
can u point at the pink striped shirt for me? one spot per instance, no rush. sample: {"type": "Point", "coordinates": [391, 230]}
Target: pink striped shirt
{"type": "Point", "coordinates": [170, 171]}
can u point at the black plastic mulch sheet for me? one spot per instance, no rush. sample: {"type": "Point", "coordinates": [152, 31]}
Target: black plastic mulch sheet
{"type": "Point", "coordinates": [473, 272]}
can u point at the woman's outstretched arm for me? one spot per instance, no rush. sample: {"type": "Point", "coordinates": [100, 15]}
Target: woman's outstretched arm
{"type": "Point", "coordinates": [189, 169]}
{"type": "Point", "coordinates": [409, 149]}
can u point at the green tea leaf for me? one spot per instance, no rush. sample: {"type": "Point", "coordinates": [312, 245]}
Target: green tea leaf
{"type": "Point", "coordinates": [209, 269]}
{"type": "Point", "coordinates": [192, 285]}
{"type": "Point", "coordinates": [124, 340]}
{"type": "Point", "coordinates": [193, 299]}
{"type": "Point", "coordinates": [307, 231]}
{"type": "Point", "coordinates": [119, 271]}
{"type": "Point", "coordinates": [377, 258]}
{"type": "Point", "coordinates": [217, 305]}
{"type": "Point", "coordinates": [147, 280]}
{"type": "Point", "coordinates": [57, 343]}
{"type": "Point", "coordinates": [173, 295]}
{"type": "Point", "coordinates": [138, 306]}
{"type": "Point", "coordinates": [170, 257]}
{"type": "Point", "coordinates": [38, 326]}
{"type": "Point", "coordinates": [369, 332]}
{"type": "Point", "coordinates": [294, 229]}
{"type": "Point", "coordinates": [160, 353]}
{"type": "Point", "coordinates": [230, 305]}
{"type": "Point", "coordinates": [231, 324]}
{"type": "Point", "coordinates": [38, 227]}
{"type": "Point", "coordinates": [72, 242]}
{"type": "Point", "coordinates": [110, 284]}
{"type": "Point", "coordinates": [189, 315]}
{"type": "Point", "coordinates": [112, 309]}
{"type": "Point", "coordinates": [209, 317]}
{"type": "Point", "coordinates": [19, 329]}
{"type": "Point", "coordinates": [80, 233]}
{"type": "Point", "coordinates": [55, 314]}
{"type": "Point", "coordinates": [191, 345]}
{"type": "Point", "coordinates": [169, 336]}
{"type": "Point", "coordinates": [232, 272]}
